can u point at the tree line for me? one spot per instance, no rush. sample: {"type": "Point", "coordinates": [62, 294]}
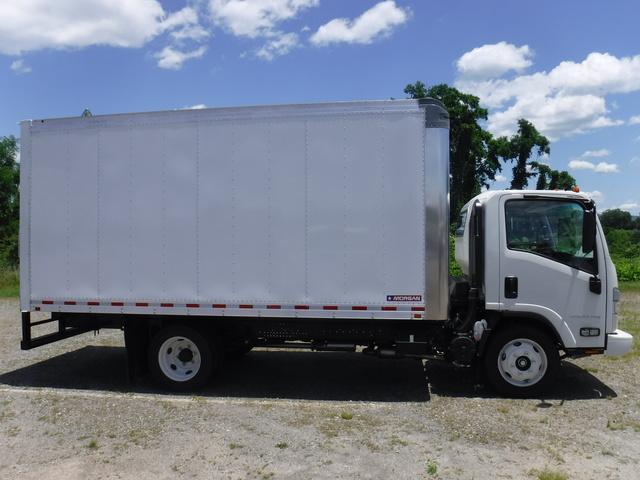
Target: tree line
{"type": "Point", "coordinates": [475, 156]}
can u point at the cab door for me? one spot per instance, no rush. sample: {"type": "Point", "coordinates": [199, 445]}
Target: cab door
{"type": "Point", "coordinates": [545, 270]}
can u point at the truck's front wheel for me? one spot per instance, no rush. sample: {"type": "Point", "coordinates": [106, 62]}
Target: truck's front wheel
{"type": "Point", "coordinates": [521, 361]}
{"type": "Point", "coordinates": [181, 358]}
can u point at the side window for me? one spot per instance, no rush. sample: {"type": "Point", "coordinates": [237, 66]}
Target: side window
{"type": "Point", "coordinates": [462, 222]}
{"type": "Point", "coordinates": [550, 228]}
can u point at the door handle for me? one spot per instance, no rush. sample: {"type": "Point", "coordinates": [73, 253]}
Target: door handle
{"type": "Point", "coordinates": [511, 287]}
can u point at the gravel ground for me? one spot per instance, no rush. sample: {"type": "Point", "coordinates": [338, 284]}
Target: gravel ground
{"type": "Point", "coordinates": [67, 411]}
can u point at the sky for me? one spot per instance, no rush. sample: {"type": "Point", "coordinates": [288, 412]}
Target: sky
{"type": "Point", "coordinates": [571, 67]}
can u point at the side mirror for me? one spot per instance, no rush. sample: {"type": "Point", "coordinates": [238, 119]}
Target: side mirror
{"type": "Point", "coordinates": [589, 231]}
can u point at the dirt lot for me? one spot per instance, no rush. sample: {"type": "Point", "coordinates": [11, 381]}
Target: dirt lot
{"type": "Point", "coordinates": [67, 411]}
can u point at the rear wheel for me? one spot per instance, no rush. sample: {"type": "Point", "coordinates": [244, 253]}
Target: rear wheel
{"type": "Point", "coordinates": [521, 361]}
{"type": "Point", "coordinates": [181, 358]}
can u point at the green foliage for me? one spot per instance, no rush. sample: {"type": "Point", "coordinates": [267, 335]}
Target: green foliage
{"type": "Point", "coordinates": [9, 202]}
{"type": "Point", "coordinates": [624, 247]}
{"type": "Point", "coordinates": [9, 282]}
{"type": "Point", "coordinates": [616, 218]}
{"type": "Point", "coordinates": [628, 270]}
{"type": "Point", "coordinates": [454, 268]}
{"type": "Point", "coordinates": [518, 149]}
{"type": "Point", "coordinates": [470, 165]}
{"type": "Point", "coordinates": [475, 156]}
{"type": "Point", "coordinates": [550, 179]}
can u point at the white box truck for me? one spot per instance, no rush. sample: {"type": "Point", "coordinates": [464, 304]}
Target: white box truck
{"type": "Point", "coordinates": [205, 233]}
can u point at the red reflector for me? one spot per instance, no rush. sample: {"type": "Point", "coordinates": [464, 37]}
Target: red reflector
{"type": "Point", "coordinates": [166, 304]}
{"type": "Point", "coordinates": [274, 307]}
{"type": "Point", "coordinates": [117, 304]}
{"type": "Point", "coordinates": [142, 304]}
{"type": "Point", "coordinates": [47, 302]}
{"type": "Point", "coordinates": [69, 302]}
{"type": "Point", "coordinates": [219, 305]}
{"type": "Point", "coordinates": [245, 306]}
{"type": "Point", "coordinates": [302, 307]}
{"type": "Point", "coordinates": [359, 307]}
{"type": "Point", "coordinates": [417, 315]}
{"type": "Point", "coordinates": [193, 305]}
{"type": "Point", "coordinates": [417, 309]}
{"type": "Point", "coordinates": [93, 303]}
{"type": "Point", "coordinates": [330, 307]}
{"type": "Point", "coordinates": [389, 309]}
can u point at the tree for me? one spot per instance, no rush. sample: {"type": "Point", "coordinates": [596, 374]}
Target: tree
{"type": "Point", "coordinates": [9, 201]}
{"type": "Point", "coordinates": [615, 218]}
{"type": "Point", "coordinates": [518, 149]}
{"type": "Point", "coordinates": [549, 179]}
{"type": "Point", "coordinates": [471, 166]}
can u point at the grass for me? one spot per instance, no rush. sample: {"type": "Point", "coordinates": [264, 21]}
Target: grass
{"type": "Point", "coordinates": [9, 282]}
{"type": "Point", "coordinates": [547, 474]}
{"type": "Point", "coordinates": [630, 315]}
{"type": "Point", "coordinates": [346, 415]}
{"type": "Point", "coordinates": [629, 286]}
{"type": "Point", "coordinates": [282, 445]}
{"type": "Point", "coordinates": [432, 467]}
{"type": "Point", "coordinates": [92, 445]}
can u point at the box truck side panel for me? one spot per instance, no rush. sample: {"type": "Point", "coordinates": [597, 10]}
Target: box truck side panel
{"type": "Point", "coordinates": [213, 210]}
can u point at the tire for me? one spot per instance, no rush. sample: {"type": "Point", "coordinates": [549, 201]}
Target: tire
{"type": "Point", "coordinates": [521, 361]}
{"type": "Point", "coordinates": [181, 358]}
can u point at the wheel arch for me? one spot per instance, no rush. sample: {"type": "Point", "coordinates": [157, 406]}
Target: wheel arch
{"type": "Point", "coordinates": [533, 320]}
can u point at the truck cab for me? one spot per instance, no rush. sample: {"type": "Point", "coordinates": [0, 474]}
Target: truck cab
{"type": "Point", "coordinates": [540, 262]}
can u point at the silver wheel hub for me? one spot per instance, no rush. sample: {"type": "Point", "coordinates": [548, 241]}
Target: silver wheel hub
{"type": "Point", "coordinates": [179, 359]}
{"type": "Point", "coordinates": [522, 362]}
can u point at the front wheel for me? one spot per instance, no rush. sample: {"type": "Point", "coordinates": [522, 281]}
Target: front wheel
{"type": "Point", "coordinates": [521, 361]}
{"type": "Point", "coordinates": [180, 358]}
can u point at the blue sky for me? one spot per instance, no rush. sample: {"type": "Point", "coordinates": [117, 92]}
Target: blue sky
{"type": "Point", "coordinates": [571, 67]}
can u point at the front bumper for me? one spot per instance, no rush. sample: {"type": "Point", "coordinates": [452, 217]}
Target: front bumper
{"type": "Point", "coordinates": [618, 343]}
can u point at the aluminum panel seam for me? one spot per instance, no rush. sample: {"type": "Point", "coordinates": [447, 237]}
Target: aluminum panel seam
{"type": "Point", "coordinates": [306, 208]}
{"type": "Point", "coordinates": [98, 230]}
{"type": "Point", "coordinates": [25, 216]}
{"type": "Point", "coordinates": [198, 210]}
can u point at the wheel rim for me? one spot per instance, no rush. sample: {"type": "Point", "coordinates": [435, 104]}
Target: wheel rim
{"type": "Point", "coordinates": [179, 359]}
{"type": "Point", "coordinates": [522, 362]}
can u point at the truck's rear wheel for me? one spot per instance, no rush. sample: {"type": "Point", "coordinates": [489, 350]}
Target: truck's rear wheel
{"type": "Point", "coordinates": [521, 361]}
{"type": "Point", "coordinates": [181, 358]}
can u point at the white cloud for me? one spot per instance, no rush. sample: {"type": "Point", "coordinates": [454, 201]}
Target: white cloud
{"type": "Point", "coordinates": [197, 106]}
{"type": "Point", "coordinates": [555, 116]}
{"type": "Point", "coordinates": [172, 59]}
{"type": "Point", "coordinates": [581, 165]}
{"type": "Point", "coordinates": [635, 120]}
{"type": "Point", "coordinates": [185, 25]}
{"type": "Point", "coordinates": [378, 21]}
{"type": "Point", "coordinates": [255, 18]}
{"type": "Point", "coordinates": [19, 66]}
{"type": "Point", "coordinates": [596, 195]}
{"type": "Point", "coordinates": [567, 100]}
{"type": "Point", "coordinates": [494, 60]}
{"type": "Point", "coordinates": [501, 178]}
{"type": "Point", "coordinates": [280, 45]}
{"type": "Point", "coordinates": [635, 161]}
{"type": "Point", "coordinates": [630, 206]}
{"type": "Point", "coordinates": [602, 167]}
{"type": "Point", "coordinates": [596, 153]}
{"type": "Point", "coordinates": [30, 25]}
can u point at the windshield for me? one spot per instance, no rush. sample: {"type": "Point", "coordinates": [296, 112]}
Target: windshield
{"type": "Point", "coordinates": [550, 228]}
